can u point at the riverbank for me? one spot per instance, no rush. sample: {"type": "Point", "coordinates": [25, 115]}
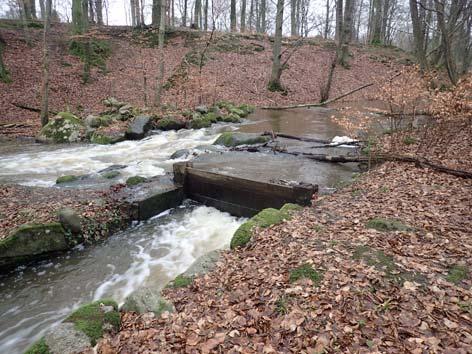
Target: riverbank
{"type": "Point", "coordinates": [382, 265]}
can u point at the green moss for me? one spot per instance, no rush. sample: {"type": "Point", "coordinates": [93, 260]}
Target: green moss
{"type": "Point", "coordinates": [110, 174]}
{"type": "Point", "coordinates": [100, 50]}
{"type": "Point", "coordinates": [409, 140]}
{"type": "Point", "coordinates": [133, 181]}
{"type": "Point", "coordinates": [230, 118]}
{"type": "Point", "coordinates": [381, 224]}
{"type": "Point", "coordinates": [70, 117]}
{"type": "Point", "coordinates": [181, 281]}
{"type": "Point", "coordinates": [230, 139]}
{"type": "Point", "coordinates": [40, 347]}
{"type": "Point", "coordinates": [66, 179]}
{"type": "Point", "coordinates": [211, 116]}
{"type": "Point", "coordinates": [242, 235]}
{"type": "Point", "coordinates": [305, 271]}
{"type": "Point", "coordinates": [290, 208]}
{"type": "Point", "coordinates": [198, 123]}
{"type": "Point", "coordinates": [237, 111]}
{"type": "Point", "coordinates": [246, 109]}
{"type": "Point", "coordinates": [264, 218]}
{"type": "Point", "coordinates": [169, 123]}
{"type": "Point", "coordinates": [90, 319]}
{"type": "Point", "coordinates": [101, 139]}
{"type": "Point", "coordinates": [457, 273]}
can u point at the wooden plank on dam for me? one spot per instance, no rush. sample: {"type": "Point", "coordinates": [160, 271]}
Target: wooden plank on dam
{"type": "Point", "coordinates": [238, 196]}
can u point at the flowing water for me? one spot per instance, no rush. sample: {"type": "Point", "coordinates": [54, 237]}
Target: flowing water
{"type": "Point", "coordinates": [150, 253]}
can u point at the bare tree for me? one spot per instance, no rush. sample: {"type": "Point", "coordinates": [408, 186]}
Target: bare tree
{"type": "Point", "coordinates": [339, 20]}
{"type": "Point", "coordinates": [45, 80]}
{"type": "Point", "coordinates": [233, 16]}
{"type": "Point", "coordinates": [243, 15]}
{"type": "Point", "coordinates": [160, 78]}
{"type": "Point", "coordinates": [274, 83]}
{"type": "Point", "coordinates": [343, 48]}
{"type": "Point", "coordinates": [418, 34]}
{"type": "Point", "coordinates": [4, 75]}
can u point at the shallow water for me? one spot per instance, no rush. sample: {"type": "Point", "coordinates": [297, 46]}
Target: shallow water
{"type": "Point", "coordinates": [149, 254]}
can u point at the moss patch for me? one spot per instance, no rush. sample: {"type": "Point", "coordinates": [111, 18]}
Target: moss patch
{"type": "Point", "coordinates": [40, 347]}
{"type": "Point", "coordinates": [110, 174]}
{"type": "Point", "coordinates": [457, 273]}
{"type": "Point", "coordinates": [100, 50]}
{"type": "Point", "coordinates": [91, 320]}
{"type": "Point", "coordinates": [181, 281]}
{"type": "Point", "coordinates": [381, 224]}
{"type": "Point", "coordinates": [305, 271]}
{"type": "Point", "coordinates": [101, 139]}
{"type": "Point", "coordinates": [264, 218]}
{"type": "Point", "coordinates": [231, 139]}
{"type": "Point", "coordinates": [66, 179]}
{"type": "Point", "coordinates": [133, 181]}
{"type": "Point", "coordinates": [169, 123]}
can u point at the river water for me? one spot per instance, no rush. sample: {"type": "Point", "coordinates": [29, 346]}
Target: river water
{"type": "Point", "coordinates": [150, 253]}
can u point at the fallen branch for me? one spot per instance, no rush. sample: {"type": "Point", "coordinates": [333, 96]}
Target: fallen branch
{"type": "Point", "coordinates": [32, 109]}
{"type": "Point", "coordinates": [307, 105]}
{"type": "Point", "coordinates": [419, 162]}
{"type": "Point", "coordinates": [299, 138]}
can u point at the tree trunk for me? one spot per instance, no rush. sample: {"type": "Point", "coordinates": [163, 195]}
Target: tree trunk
{"type": "Point", "coordinates": [243, 16]}
{"type": "Point", "coordinates": [233, 16]}
{"type": "Point", "coordinates": [339, 21]}
{"type": "Point", "coordinates": [293, 17]}
{"type": "Point", "coordinates": [184, 15]}
{"type": "Point", "coordinates": [205, 12]}
{"type": "Point", "coordinates": [263, 10]}
{"type": "Point", "coordinates": [376, 22]}
{"type": "Point", "coordinates": [45, 79]}
{"type": "Point", "coordinates": [156, 12]}
{"type": "Point", "coordinates": [99, 11]}
{"type": "Point", "coordinates": [326, 27]}
{"type": "Point", "coordinates": [446, 42]}
{"type": "Point", "coordinates": [197, 11]}
{"type": "Point", "coordinates": [4, 75]}
{"type": "Point", "coordinates": [42, 8]}
{"type": "Point", "coordinates": [160, 78]}
{"type": "Point", "coordinates": [274, 83]}
{"type": "Point", "coordinates": [343, 56]}
{"type": "Point", "coordinates": [418, 35]}
{"type": "Point", "coordinates": [251, 16]}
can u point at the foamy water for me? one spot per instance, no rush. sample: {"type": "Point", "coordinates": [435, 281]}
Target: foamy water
{"type": "Point", "coordinates": [149, 254]}
{"type": "Point", "coordinates": [147, 157]}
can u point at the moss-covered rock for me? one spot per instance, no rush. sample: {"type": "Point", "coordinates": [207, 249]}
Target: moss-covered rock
{"type": "Point", "coordinates": [40, 347]}
{"type": "Point", "coordinates": [29, 241]}
{"type": "Point", "coordinates": [147, 300]}
{"type": "Point", "coordinates": [264, 218]}
{"type": "Point", "coordinates": [101, 139]}
{"type": "Point", "coordinates": [230, 118]}
{"type": "Point", "coordinates": [231, 139]}
{"type": "Point", "coordinates": [199, 123]}
{"type": "Point", "coordinates": [67, 179]}
{"type": "Point", "coordinates": [110, 174]}
{"type": "Point", "coordinates": [95, 318]}
{"type": "Point", "coordinates": [212, 117]}
{"type": "Point", "coordinates": [135, 180]}
{"type": "Point", "coordinates": [63, 128]}
{"type": "Point", "coordinates": [170, 123]}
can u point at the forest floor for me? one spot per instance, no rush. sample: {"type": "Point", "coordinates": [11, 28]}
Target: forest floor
{"type": "Point", "coordinates": [381, 266]}
{"type": "Point", "coordinates": [236, 68]}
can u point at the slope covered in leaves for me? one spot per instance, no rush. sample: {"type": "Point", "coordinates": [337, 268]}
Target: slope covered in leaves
{"type": "Point", "coordinates": [236, 68]}
{"type": "Point", "coordinates": [402, 288]}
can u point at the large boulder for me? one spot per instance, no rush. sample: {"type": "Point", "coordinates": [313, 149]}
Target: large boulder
{"type": "Point", "coordinates": [203, 264]}
{"type": "Point", "coordinates": [170, 123]}
{"type": "Point", "coordinates": [138, 127]}
{"type": "Point", "coordinates": [146, 300]}
{"type": "Point", "coordinates": [92, 121]}
{"type": "Point", "coordinates": [63, 128]}
{"type": "Point", "coordinates": [231, 139]}
{"type": "Point", "coordinates": [31, 241]}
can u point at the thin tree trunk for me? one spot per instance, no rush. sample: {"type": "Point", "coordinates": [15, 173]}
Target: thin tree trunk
{"type": "Point", "coordinates": [377, 22]}
{"type": "Point", "coordinates": [326, 28]}
{"type": "Point", "coordinates": [184, 15]}
{"type": "Point", "coordinates": [162, 30]}
{"type": "Point", "coordinates": [339, 21]}
{"type": "Point", "coordinates": [343, 56]}
{"type": "Point", "coordinates": [233, 16]}
{"type": "Point", "coordinates": [205, 13]}
{"type": "Point", "coordinates": [4, 75]}
{"type": "Point", "coordinates": [274, 83]}
{"type": "Point", "coordinates": [418, 35]}
{"type": "Point", "coordinates": [243, 15]}
{"type": "Point", "coordinates": [42, 9]}
{"type": "Point", "coordinates": [45, 79]}
{"type": "Point", "coordinates": [251, 16]}
{"type": "Point", "coordinates": [446, 43]}
{"type": "Point", "coordinates": [99, 11]}
{"type": "Point", "coordinates": [156, 12]}
{"type": "Point", "coordinates": [293, 17]}
{"type": "Point", "coordinates": [263, 6]}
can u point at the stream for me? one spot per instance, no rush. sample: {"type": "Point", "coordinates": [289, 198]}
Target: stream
{"type": "Point", "coordinates": [149, 253]}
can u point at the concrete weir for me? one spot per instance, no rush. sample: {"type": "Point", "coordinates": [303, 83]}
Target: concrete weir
{"type": "Point", "coordinates": [235, 195]}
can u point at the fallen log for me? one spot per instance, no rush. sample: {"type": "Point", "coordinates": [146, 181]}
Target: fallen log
{"type": "Point", "coordinates": [32, 109]}
{"type": "Point", "coordinates": [319, 104]}
{"type": "Point", "coordinates": [293, 137]}
{"type": "Point", "coordinates": [419, 162]}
